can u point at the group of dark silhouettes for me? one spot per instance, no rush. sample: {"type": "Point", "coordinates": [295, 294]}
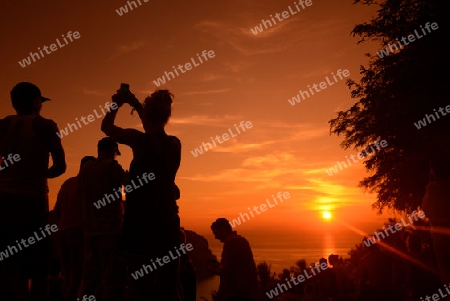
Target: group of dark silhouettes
{"type": "Point", "coordinates": [101, 240]}
{"type": "Point", "coordinates": [97, 248]}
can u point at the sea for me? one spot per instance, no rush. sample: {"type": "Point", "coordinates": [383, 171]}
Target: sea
{"type": "Point", "coordinates": [282, 251]}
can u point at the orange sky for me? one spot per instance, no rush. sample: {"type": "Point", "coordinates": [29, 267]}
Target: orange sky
{"type": "Point", "coordinates": [250, 78]}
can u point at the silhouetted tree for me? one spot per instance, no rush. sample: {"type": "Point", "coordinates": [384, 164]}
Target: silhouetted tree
{"type": "Point", "coordinates": [285, 274]}
{"type": "Point", "coordinates": [301, 264]}
{"type": "Point", "coordinates": [394, 93]}
{"type": "Point", "coordinates": [265, 276]}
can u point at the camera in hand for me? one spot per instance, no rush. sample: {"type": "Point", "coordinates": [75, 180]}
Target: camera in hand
{"type": "Point", "coordinates": [124, 87]}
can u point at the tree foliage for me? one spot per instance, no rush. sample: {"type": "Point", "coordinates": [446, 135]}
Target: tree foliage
{"type": "Point", "coordinates": [394, 92]}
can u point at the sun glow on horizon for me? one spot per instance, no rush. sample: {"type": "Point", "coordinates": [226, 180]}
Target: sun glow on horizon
{"type": "Point", "coordinates": [326, 215]}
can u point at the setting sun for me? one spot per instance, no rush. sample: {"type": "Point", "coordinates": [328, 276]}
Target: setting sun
{"type": "Point", "coordinates": [326, 215]}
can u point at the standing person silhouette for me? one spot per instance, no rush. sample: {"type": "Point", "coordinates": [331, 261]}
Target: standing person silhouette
{"type": "Point", "coordinates": [68, 210]}
{"type": "Point", "coordinates": [30, 138]}
{"type": "Point", "coordinates": [100, 180]}
{"type": "Point", "coordinates": [238, 274]}
{"type": "Point", "coordinates": [151, 223]}
{"type": "Point", "coordinates": [436, 205]}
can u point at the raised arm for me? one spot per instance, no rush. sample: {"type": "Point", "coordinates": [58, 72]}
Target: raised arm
{"type": "Point", "coordinates": [120, 135]}
{"type": "Point", "coordinates": [137, 106]}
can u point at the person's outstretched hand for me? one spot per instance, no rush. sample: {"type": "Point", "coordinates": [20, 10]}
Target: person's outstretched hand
{"type": "Point", "coordinates": [118, 99]}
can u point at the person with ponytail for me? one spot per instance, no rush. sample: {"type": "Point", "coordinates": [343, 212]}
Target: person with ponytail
{"type": "Point", "coordinates": [151, 225]}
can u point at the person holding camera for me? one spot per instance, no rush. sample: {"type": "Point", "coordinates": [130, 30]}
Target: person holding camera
{"type": "Point", "coordinates": [151, 226]}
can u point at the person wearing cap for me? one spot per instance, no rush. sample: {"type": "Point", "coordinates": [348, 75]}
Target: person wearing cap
{"type": "Point", "coordinates": [24, 190]}
{"type": "Point", "coordinates": [101, 183]}
{"type": "Point", "coordinates": [237, 270]}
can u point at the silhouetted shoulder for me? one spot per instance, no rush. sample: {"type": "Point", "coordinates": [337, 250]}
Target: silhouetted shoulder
{"type": "Point", "coordinates": [4, 125]}
{"type": "Point", "coordinates": [175, 142]}
{"type": "Point", "coordinates": [70, 182]}
{"type": "Point", "coordinates": [44, 124]}
{"type": "Point", "coordinates": [238, 241]}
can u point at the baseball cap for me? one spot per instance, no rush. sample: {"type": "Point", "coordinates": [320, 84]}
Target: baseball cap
{"type": "Point", "coordinates": [108, 143]}
{"type": "Point", "coordinates": [26, 91]}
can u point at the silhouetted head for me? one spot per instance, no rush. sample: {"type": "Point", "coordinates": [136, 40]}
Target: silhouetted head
{"type": "Point", "coordinates": [86, 159]}
{"type": "Point", "coordinates": [323, 260]}
{"type": "Point", "coordinates": [108, 148]}
{"type": "Point", "coordinates": [157, 109]}
{"type": "Point", "coordinates": [26, 98]}
{"type": "Point", "coordinates": [333, 259]}
{"type": "Point", "coordinates": [221, 229]}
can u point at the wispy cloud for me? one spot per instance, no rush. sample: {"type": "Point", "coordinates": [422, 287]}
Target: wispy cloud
{"type": "Point", "coordinates": [93, 92]}
{"type": "Point", "coordinates": [269, 32]}
{"type": "Point", "coordinates": [210, 77]}
{"type": "Point", "coordinates": [221, 121]}
{"type": "Point", "coordinates": [235, 147]}
{"type": "Point", "coordinates": [285, 35]}
{"type": "Point", "coordinates": [205, 92]}
{"type": "Point", "coordinates": [122, 49]}
{"type": "Point", "coordinates": [237, 38]}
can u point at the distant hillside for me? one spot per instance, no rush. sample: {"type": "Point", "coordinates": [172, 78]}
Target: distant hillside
{"type": "Point", "coordinates": [200, 254]}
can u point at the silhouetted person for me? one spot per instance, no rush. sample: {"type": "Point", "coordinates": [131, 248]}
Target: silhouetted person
{"type": "Point", "coordinates": [376, 272]}
{"type": "Point", "coordinates": [26, 141]}
{"type": "Point", "coordinates": [151, 223]}
{"type": "Point", "coordinates": [436, 205]}
{"type": "Point", "coordinates": [55, 279]}
{"type": "Point", "coordinates": [188, 277]}
{"type": "Point", "coordinates": [344, 282]}
{"type": "Point", "coordinates": [238, 275]}
{"type": "Point", "coordinates": [68, 209]}
{"type": "Point", "coordinates": [101, 183]}
{"type": "Point", "coordinates": [328, 285]}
